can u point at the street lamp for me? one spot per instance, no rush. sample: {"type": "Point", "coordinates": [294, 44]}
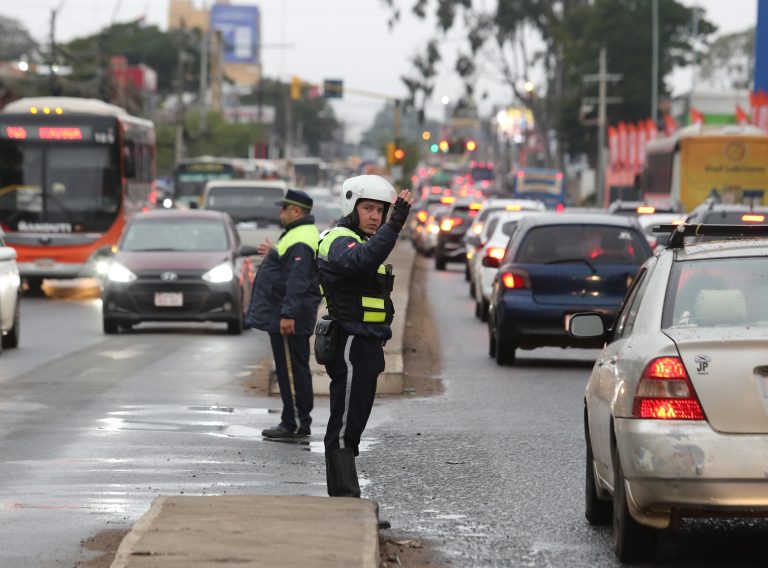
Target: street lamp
{"type": "Point", "coordinates": [529, 87]}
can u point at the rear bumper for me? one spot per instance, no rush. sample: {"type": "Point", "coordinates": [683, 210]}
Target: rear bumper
{"type": "Point", "coordinates": [688, 469]}
{"type": "Point", "coordinates": [529, 324]}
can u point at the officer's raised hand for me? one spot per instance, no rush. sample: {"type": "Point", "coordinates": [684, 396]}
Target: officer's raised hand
{"type": "Point", "coordinates": [400, 209]}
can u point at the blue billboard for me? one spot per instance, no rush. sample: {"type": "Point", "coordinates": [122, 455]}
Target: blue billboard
{"type": "Point", "coordinates": [239, 27]}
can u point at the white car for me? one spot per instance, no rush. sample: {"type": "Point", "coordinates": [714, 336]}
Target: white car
{"type": "Point", "coordinates": [10, 293]}
{"type": "Point", "coordinates": [474, 235]}
{"type": "Point", "coordinates": [651, 220]}
{"type": "Point", "coordinates": [498, 230]}
{"type": "Point", "coordinates": [676, 407]}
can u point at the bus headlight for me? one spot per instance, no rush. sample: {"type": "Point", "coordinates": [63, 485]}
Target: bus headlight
{"type": "Point", "coordinates": [119, 273]}
{"type": "Point", "coordinates": [221, 273]}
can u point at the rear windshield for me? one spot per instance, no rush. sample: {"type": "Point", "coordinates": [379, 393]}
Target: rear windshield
{"type": "Point", "coordinates": [728, 292]}
{"type": "Point", "coordinates": [246, 203]}
{"type": "Point", "coordinates": [598, 244]}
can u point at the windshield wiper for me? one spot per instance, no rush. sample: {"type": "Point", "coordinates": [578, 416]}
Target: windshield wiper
{"type": "Point", "coordinates": [584, 260]}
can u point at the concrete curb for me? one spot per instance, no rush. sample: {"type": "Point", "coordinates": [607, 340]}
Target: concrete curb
{"type": "Point", "coordinates": [391, 381]}
{"type": "Point", "coordinates": [253, 530]}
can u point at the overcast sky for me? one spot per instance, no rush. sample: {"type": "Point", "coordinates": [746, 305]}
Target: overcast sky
{"type": "Point", "coordinates": [345, 39]}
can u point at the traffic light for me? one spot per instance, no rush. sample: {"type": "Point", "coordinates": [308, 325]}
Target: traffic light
{"type": "Point", "coordinates": [295, 88]}
{"type": "Point", "coordinates": [444, 146]}
{"type": "Point", "coordinates": [434, 148]}
{"type": "Point", "coordinates": [398, 155]}
{"type": "Point", "coordinates": [390, 153]}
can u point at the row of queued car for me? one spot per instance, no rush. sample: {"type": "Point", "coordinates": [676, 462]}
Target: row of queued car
{"type": "Point", "coordinates": [675, 408]}
{"type": "Point", "coordinates": [10, 297]}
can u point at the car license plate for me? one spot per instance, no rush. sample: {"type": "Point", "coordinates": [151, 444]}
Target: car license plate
{"type": "Point", "coordinates": [169, 299]}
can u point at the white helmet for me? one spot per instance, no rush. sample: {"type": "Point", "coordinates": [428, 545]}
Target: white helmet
{"type": "Point", "coordinates": [366, 187]}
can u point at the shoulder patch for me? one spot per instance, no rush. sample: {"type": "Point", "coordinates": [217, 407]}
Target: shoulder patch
{"type": "Point", "coordinates": [351, 245]}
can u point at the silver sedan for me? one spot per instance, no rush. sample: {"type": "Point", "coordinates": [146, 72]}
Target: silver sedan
{"type": "Point", "coordinates": [676, 407]}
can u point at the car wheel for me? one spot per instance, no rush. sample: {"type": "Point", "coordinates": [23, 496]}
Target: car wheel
{"type": "Point", "coordinates": [126, 326]}
{"type": "Point", "coordinates": [235, 326]}
{"type": "Point", "coordinates": [439, 262]}
{"type": "Point", "coordinates": [597, 511]}
{"type": "Point", "coordinates": [484, 310]}
{"type": "Point", "coordinates": [491, 341]}
{"type": "Point", "coordinates": [471, 288]}
{"type": "Point", "coordinates": [467, 275]}
{"type": "Point", "coordinates": [631, 540]}
{"type": "Point", "coordinates": [110, 326]}
{"type": "Point", "coordinates": [34, 286]}
{"type": "Point", "coordinates": [11, 339]}
{"type": "Point", "coordinates": [505, 351]}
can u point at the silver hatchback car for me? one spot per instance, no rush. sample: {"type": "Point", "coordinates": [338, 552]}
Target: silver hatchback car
{"type": "Point", "coordinates": [676, 407]}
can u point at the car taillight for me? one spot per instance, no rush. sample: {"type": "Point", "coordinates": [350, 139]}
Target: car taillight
{"type": "Point", "coordinates": [478, 228]}
{"type": "Point", "coordinates": [665, 392]}
{"type": "Point", "coordinates": [495, 252]}
{"type": "Point", "coordinates": [450, 223]}
{"type": "Point", "coordinates": [422, 216]}
{"type": "Point", "coordinates": [516, 280]}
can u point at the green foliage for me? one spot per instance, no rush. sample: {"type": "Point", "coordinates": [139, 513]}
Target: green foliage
{"type": "Point", "coordinates": [15, 40]}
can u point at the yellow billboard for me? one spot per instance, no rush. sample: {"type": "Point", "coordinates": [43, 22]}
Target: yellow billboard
{"type": "Point", "coordinates": [736, 167]}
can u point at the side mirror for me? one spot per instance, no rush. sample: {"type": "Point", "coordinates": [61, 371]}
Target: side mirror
{"type": "Point", "coordinates": [248, 250]}
{"type": "Point", "coordinates": [586, 325]}
{"type": "Point", "coordinates": [491, 262]}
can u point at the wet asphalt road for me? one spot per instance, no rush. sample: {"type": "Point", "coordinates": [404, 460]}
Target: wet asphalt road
{"type": "Point", "coordinates": [94, 427]}
{"type": "Point", "coordinates": [492, 471]}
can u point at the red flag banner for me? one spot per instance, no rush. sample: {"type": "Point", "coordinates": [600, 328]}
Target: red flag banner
{"type": "Point", "coordinates": [623, 150]}
{"type": "Point", "coordinates": [695, 116]}
{"type": "Point", "coordinates": [741, 116]}
{"type": "Point", "coordinates": [670, 125]}
{"type": "Point", "coordinates": [642, 138]}
{"type": "Point", "coordinates": [632, 146]}
{"type": "Point", "coordinates": [651, 129]}
{"type": "Point", "coordinates": [613, 146]}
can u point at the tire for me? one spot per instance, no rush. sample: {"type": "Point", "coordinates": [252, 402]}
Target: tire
{"type": "Point", "coordinates": [484, 305]}
{"type": "Point", "coordinates": [471, 288]}
{"type": "Point", "coordinates": [597, 511]}
{"type": "Point", "coordinates": [491, 342]}
{"type": "Point", "coordinates": [631, 541]}
{"type": "Point", "coordinates": [467, 275]}
{"type": "Point", "coordinates": [110, 326]}
{"type": "Point", "coordinates": [477, 309]}
{"type": "Point", "coordinates": [11, 339]}
{"type": "Point", "coordinates": [439, 262]}
{"type": "Point", "coordinates": [505, 351]}
{"type": "Point", "coordinates": [235, 326]}
{"type": "Point", "coordinates": [126, 326]}
{"type": "Point", "coordinates": [35, 287]}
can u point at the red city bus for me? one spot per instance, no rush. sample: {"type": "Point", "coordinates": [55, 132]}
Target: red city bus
{"type": "Point", "coordinates": [72, 171]}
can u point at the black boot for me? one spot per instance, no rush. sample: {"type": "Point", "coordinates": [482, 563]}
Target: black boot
{"type": "Point", "coordinates": [341, 474]}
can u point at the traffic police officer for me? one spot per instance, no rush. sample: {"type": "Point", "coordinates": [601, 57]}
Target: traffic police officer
{"type": "Point", "coordinates": [357, 289]}
{"type": "Point", "coordinates": [286, 295]}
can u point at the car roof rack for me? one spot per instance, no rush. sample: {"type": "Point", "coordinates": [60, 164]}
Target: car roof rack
{"type": "Point", "coordinates": [679, 232]}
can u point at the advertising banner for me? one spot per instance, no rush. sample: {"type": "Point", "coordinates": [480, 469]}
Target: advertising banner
{"type": "Point", "coordinates": [239, 27]}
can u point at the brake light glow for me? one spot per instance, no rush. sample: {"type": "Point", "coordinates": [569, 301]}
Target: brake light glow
{"type": "Point", "coordinates": [433, 228]}
{"type": "Point", "coordinates": [16, 132]}
{"type": "Point", "coordinates": [515, 280]}
{"type": "Point", "coordinates": [478, 228]}
{"type": "Point", "coordinates": [475, 206]}
{"type": "Point", "coordinates": [665, 392]}
{"type": "Point", "coordinates": [645, 210]}
{"type": "Point", "coordinates": [422, 216]}
{"type": "Point", "coordinates": [559, 208]}
{"type": "Point", "coordinates": [449, 223]}
{"type": "Point", "coordinates": [447, 199]}
{"type": "Point", "coordinates": [495, 252]}
{"type": "Point", "coordinates": [752, 218]}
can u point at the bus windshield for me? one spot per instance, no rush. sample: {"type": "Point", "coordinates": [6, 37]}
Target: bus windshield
{"type": "Point", "coordinates": [75, 188]}
{"type": "Point", "coordinates": [190, 178]}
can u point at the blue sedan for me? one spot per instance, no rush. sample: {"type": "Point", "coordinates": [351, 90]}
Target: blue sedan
{"type": "Point", "coordinates": [555, 266]}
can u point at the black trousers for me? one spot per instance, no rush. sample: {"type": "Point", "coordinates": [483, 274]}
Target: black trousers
{"type": "Point", "coordinates": [297, 394]}
{"type": "Point", "coordinates": [354, 373]}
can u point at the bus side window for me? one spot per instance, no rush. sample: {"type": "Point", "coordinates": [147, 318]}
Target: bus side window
{"type": "Point", "coordinates": [129, 159]}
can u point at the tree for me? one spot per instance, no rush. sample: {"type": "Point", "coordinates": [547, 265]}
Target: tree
{"type": "Point", "coordinates": [569, 36]}
{"type": "Point", "coordinates": [729, 63]}
{"type": "Point", "coordinates": [15, 41]}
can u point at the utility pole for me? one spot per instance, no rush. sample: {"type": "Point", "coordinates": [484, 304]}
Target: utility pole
{"type": "Point", "coordinates": [52, 55]}
{"type": "Point", "coordinates": [217, 74]}
{"type": "Point", "coordinates": [603, 100]}
{"type": "Point", "coordinates": [179, 150]}
{"type": "Point", "coordinates": [205, 46]}
{"type": "Point", "coordinates": [655, 63]}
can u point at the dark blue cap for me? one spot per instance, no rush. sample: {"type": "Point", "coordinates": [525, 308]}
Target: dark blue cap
{"type": "Point", "coordinates": [296, 197]}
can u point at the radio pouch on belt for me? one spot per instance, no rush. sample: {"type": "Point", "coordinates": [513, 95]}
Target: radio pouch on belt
{"type": "Point", "coordinates": [326, 341]}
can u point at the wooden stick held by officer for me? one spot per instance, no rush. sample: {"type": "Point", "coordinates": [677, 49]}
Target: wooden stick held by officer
{"type": "Point", "coordinates": [357, 286]}
{"type": "Point", "coordinates": [285, 298]}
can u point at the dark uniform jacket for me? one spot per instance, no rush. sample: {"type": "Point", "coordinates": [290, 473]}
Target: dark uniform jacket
{"type": "Point", "coordinates": [286, 285]}
{"type": "Point", "coordinates": [356, 285]}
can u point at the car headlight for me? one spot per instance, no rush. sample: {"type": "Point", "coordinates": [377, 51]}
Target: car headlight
{"type": "Point", "coordinates": [119, 273]}
{"type": "Point", "coordinates": [221, 273]}
{"type": "Point", "coordinates": [102, 267]}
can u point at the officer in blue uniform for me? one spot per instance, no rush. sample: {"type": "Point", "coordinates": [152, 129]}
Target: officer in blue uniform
{"type": "Point", "coordinates": [357, 287]}
{"type": "Point", "coordinates": [286, 295]}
